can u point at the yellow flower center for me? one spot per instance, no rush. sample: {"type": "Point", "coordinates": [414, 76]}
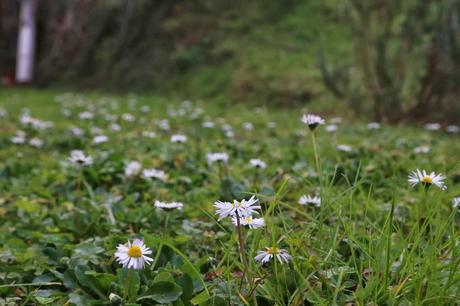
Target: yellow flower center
{"type": "Point", "coordinates": [248, 219]}
{"type": "Point", "coordinates": [236, 204]}
{"type": "Point", "coordinates": [427, 180]}
{"type": "Point", "coordinates": [272, 250]}
{"type": "Point", "coordinates": [135, 251]}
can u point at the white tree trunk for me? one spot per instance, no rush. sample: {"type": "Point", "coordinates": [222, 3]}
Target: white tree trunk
{"type": "Point", "coordinates": [26, 42]}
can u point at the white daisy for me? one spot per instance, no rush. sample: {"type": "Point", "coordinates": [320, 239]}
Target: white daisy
{"type": "Point", "coordinates": [308, 199]}
{"type": "Point", "coordinates": [133, 168]}
{"type": "Point", "coordinates": [249, 221]}
{"type": "Point", "coordinates": [208, 124]}
{"type": "Point", "coordinates": [128, 117]}
{"type": "Point", "coordinates": [312, 120]}
{"type": "Point", "coordinates": [373, 126]}
{"type": "Point", "coordinates": [217, 157]}
{"type": "Point", "coordinates": [344, 148]}
{"type": "Point", "coordinates": [164, 125]}
{"type": "Point", "coordinates": [229, 134]}
{"type": "Point", "coordinates": [331, 128]}
{"type": "Point", "coordinates": [242, 209]}
{"type": "Point", "coordinates": [100, 139]}
{"type": "Point", "coordinates": [149, 134]}
{"type": "Point", "coordinates": [417, 177]}
{"type": "Point", "coordinates": [115, 127]}
{"type": "Point", "coordinates": [265, 256]}
{"type": "Point", "coordinates": [456, 202]}
{"type": "Point", "coordinates": [145, 108]}
{"type": "Point", "coordinates": [168, 206]}
{"type": "Point", "coordinates": [19, 138]}
{"type": "Point", "coordinates": [133, 256]}
{"type": "Point", "coordinates": [178, 138]}
{"type": "Point", "coordinates": [453, 129]}
{"type": "Point", "coordinates": [432, 126]}
{"type": "Point", "coordinates": [154, 173]}
{"type": "Point", "coordinates": [422, 149]}
{"type": "Point", "coordinates": [257, 163]}
{"type": "Point", "coordinates": [36, 142]}
{"type": "Point", "coordinates": [78, 157]}
{"type": "Point", "coordinates": [76, 131]}
{"type": "Point", "coordinates": [248, 126]}
{"type": "Point", "coordinates": [86, 115]}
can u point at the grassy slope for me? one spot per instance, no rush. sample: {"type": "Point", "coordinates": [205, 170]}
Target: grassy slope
{"type": "Point", "coordinates": [265, 54]}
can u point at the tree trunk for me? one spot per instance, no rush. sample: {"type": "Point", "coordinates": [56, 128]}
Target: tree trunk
{"type": "Point", "coordinates": [26, 42]}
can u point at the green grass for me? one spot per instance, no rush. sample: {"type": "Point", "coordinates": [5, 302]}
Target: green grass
{"type": "Point", "coordinates": [374, 240]}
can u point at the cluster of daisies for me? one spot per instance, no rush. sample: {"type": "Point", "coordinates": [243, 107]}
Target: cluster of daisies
{"type": "Point", "coordinates": [241, 213]}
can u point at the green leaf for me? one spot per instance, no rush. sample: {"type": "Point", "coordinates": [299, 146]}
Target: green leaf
{"type": "Point", "coordinates": [103, 279]}
{"type": "Point", "coordinates": [200, 298]}
{"type": "Point", "coordinates": [163, 277]}
{"type": "Point", "coordinates": [186, 282]}
{"type": "Point", "coordinates": [163, 292]}
{"type": "Point", "coordinates": [88, 281]}
{"type": "Point", "coordinates": [27, 205]}
{"type": "Point", "coordinates": [134, 281]}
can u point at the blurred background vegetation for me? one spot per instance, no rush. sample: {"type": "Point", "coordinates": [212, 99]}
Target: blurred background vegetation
{"type": "Point", "coordinates": [394, 60]}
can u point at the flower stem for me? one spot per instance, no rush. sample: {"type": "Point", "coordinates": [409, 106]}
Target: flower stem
{"type": "Point", "coordinates": [242, 253]}
{"type": "Point", "coordinates": [315, 153]}
{"type": "Point", "coordinates": [127, 282]}
{"type": "Point", "coordinates": [165, 227]}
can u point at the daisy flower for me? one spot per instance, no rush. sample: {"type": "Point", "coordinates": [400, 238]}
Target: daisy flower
{"type": "Point", "coordinates": [373, 126]}
{"type": "Point", "coordinates": [308, 199]}
{"type": "Point", "coordinates": [208, 124]}
{"type": "Point", "coordinates": [19, 138]}
{"type": "Point", "coordinates": [240, 208]}
{"type": "Point", "coordinates": [331, 128]}
{"type": "Point", "coordinates": [456, 202]}
{"type": "Point", "coordinates": [133, 256]}
{"type": "Point", "coordinates": [154, 173]}
{"type": "Point", "coordinates": [249, 221]}
{"type": "Point", "coordinates": [36, 142]}
{"type": "Point", "coordinates": [86, 115]}
{"type": "Point", "coordinates": [422, 149]}
{"type": "Point", "coordinates": [266, 255]}
{"type": "Point", "coordinates": [312, 121]}
{"type": "Point", "coordinates": [100, 139]}
{"type": "Point", "coordinates": [168, 206]}
{"type": "Point", "coordinates": [453, 129]}
{"type": "Point", "coordinates": [248, 126]}
{"type": "Point", "coordinates": [133, 168]}
{"type": "Point", "coordinates": [178, 138]}
{"type": "Point", "coordinates": [432, 126]}
{"type": "Point", "coordinates": [149, 134]}
{"type": "Point", "coordinates": [257, 163]}
{"type": "Point", "coordinates": [217, 157]}
{"type": "Point", "coordinates": [416, 177]}
{"type": "Point", "coordinates": [78, 157]}
{"type": "Point", "coordinates": [76, 131]}
{"type": "Point", "coordinates": [344, 148]}
{"type": "Point", "coordinates": [128, 117]}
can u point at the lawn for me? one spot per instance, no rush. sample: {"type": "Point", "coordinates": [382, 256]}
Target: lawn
{"type": "Point", "coordinates": [339, 225]}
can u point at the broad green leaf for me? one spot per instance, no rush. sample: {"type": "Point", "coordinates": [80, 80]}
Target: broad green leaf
{"type": "Point", "coordinates": [163, 292]}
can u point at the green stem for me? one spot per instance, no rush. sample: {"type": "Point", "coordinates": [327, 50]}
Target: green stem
{"type": "Point", "coordinates": [315, 153]}
{"type": "Point", "coordinates": [242, 253]}
{"type": "Point", "coordinates": [127, 282]}
{"type": "Point", "coordinates": [165, 227]}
